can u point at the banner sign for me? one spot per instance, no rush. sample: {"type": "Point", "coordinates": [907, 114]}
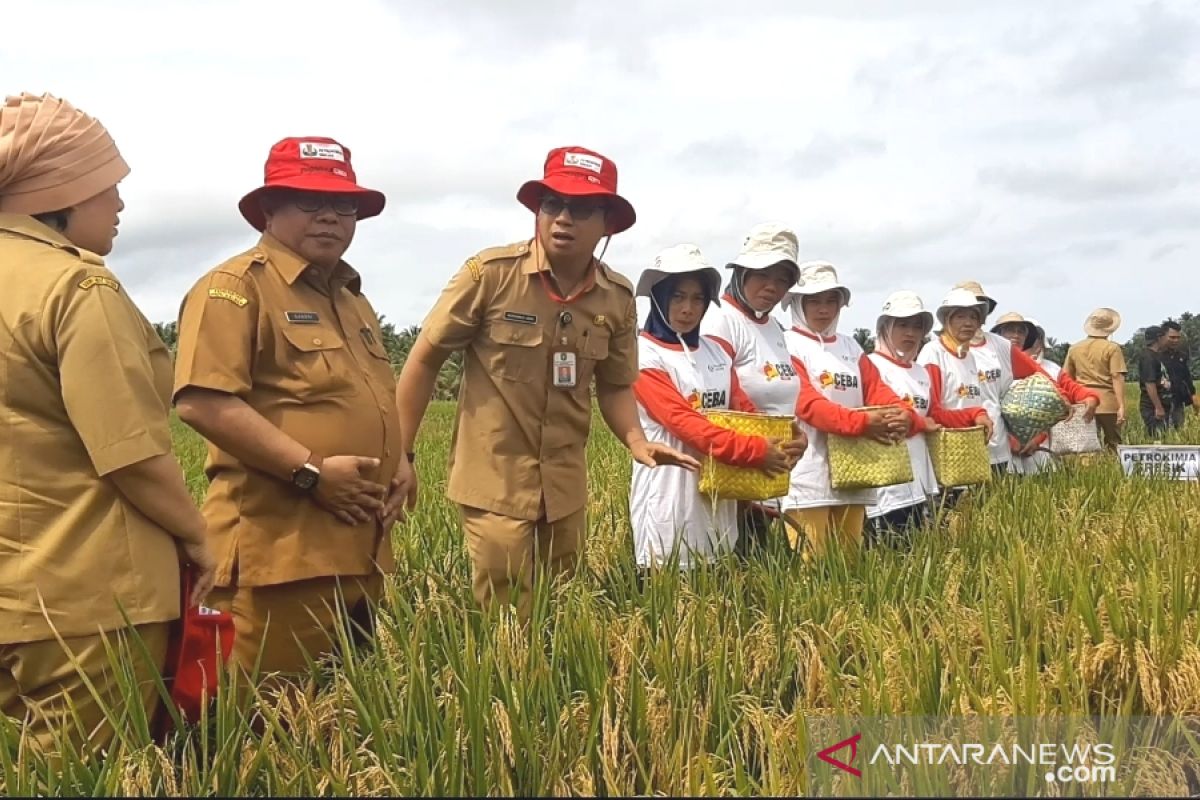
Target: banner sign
{"type": "Point", "coordinates": [1166, 462]}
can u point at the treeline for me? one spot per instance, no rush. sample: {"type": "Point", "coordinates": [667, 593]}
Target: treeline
{"type": "Point", "coordinates": [399, 343]}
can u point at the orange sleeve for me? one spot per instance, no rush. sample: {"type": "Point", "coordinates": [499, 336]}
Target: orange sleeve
{"type": "Point", "coordinates": [738, 399]}
{"type": "Point", "coordinates": [662, 401]}
{"type": "Point", "coordinates": [876, 392]}
{"type": "Point", "coordinates": [822, 413]}
{"type": "Point", "coordinates": [724, 345]}
{"type": "Point", "coordinates": [1075, 392]}
{"type": "Point", "coordinates": [949, 417]}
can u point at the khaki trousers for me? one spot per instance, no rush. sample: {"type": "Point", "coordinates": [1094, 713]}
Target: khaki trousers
{"type": "Point", "coordinates": [39, 684]}
{"type": "Point", "coordinates": [286, 622]}
{"type": "Point", "coordinates": [505, 553]}
{"type": "Point", "coordinates": [827, 530]}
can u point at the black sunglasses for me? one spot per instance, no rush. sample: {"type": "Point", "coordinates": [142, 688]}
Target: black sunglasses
{"type": "Point", "coordinates": [309, 202]}
{"type": "Point", "coordinates": [553, 205]}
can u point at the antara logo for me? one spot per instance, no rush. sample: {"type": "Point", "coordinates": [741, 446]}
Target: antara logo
{"type": "Point", "coordinates": [838, 380]}
{"type": "Point", "coordinates": [778, 371]}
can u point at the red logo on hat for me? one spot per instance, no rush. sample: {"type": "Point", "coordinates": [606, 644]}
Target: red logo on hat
{"type": "Point", "coordinates": [311, 164]}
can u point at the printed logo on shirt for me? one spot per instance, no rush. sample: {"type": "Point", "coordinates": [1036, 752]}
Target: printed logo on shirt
{"type": "Point", "coordinates": [919, 403]}
{"type": "Point", "coordinates": [840, 381]}
{"type": "Point", "coordinates": [712, 399]}
{"type": "Point", "coordinates": [971, 391]}
{"type": "Point", "coordinates": [989, 375]}
{"type": "Point", "coordinates": [783, 372]}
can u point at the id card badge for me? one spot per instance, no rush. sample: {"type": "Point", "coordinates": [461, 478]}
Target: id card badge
{"type": "Point", "coordinates": [565, 370]}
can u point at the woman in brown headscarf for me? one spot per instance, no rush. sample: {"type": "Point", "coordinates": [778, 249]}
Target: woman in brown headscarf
{"type": "Point", "coordinates": [93, 507]}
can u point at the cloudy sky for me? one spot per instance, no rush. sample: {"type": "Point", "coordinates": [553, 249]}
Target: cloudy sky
{"type": "Point", "coordinates": [1044, 148]}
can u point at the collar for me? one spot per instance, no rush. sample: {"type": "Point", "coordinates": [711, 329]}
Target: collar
{"type": "Point", "coordinates": [291, 266]}
{"type": "Point", "coordinates": [676, 346]}
{"type": "Point", "coordinates": [745, 312]}
{"type": "Point", "coordinates": [953, 347]}
{"type": "Point", "coordinates": [27, 227]}
{"type": "Point", "coordinates": [896, 361]}
{"type": "Point", "coordinates": [534, 261]}
{"type": "Point", "coordinates": [815, 337]}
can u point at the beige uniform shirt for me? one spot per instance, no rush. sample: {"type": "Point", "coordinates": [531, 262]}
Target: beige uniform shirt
{"type": "Point", "coordinates": [308, 355]}
{"type": "Point", "coordinates": [1093, 363]}
{"type": "Point", "coordinates": [518, 445]}
{"type": "Point", "coordinates": [86, 385]}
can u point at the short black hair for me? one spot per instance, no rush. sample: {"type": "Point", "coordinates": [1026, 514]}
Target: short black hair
{"type": "Point", "coordinates": [1153, 334]}
{"type": "Point", "coordinates": [54, 219]}
{"type": "Point", "coordinates": [1171, 325]}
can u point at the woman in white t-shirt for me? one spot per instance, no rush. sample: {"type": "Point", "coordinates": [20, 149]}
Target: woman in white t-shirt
{"type": "Point", "coordinates": [837, 379]}
{"type": "Point", "coordinates": [743, 326]}
{"type": "Point", "coordinates": [683, 374]}
{"type": "Point", "coordinates": [901, 328]}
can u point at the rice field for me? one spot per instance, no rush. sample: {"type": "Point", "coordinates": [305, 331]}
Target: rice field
{"type": "Point", "coordinates": [1076, 593]}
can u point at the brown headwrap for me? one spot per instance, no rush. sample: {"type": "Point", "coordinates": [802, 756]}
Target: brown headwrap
{"type": "Point", "coordinates": [53, 156]}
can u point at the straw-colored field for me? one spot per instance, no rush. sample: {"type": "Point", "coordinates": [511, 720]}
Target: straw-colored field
{"type": "Point", "coordinates": [1076, 593]}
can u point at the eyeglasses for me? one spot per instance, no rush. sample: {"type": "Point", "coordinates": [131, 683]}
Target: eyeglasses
{"type": "Point", "coordinates": [342, 205]}
{"type": "Point", "coordinates": [553, 205]}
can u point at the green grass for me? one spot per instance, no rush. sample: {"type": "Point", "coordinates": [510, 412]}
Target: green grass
{"type": "Point", "coordinates": [1073, 593]}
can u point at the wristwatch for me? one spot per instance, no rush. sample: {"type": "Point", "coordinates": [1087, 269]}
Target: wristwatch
{"type": "Point", "coordinates": [305, 477]}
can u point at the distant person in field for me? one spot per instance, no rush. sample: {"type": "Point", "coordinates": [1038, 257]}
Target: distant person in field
{"type": "Point", "coordinates": [898, 511]}
{"type": "Point", "coordinates": [837, 380]}
{"type": "Point", "coordinates": [1041, 457]}
{"type": "Point", "coordinates": [1155, 383]}
{"type": "Point", "coordinates": [1097, 363]}
{"type": "Point", "coordinates": [281, 367]}
{"type": "Point", "coordinates": [1000, 364]}
{"type": "Point", "coordinates": [759, 276]}
{"type": "Point", "coordinates": [1176, 360]}
{"type": "Point", "coordinates": [540, 322]}
{"type": "Point", "coordinates": [96, 514]}
{"type": "Point", "coordinates": [684, 374]}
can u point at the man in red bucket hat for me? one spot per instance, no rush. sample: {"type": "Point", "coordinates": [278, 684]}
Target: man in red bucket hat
{"type": "Point", "coordinates": [538, 322]}
{"type": "Point", "coordinates": [281, 367]}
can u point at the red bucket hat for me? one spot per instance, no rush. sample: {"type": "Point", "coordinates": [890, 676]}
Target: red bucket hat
{"type": "Point", "coordinates": [312, 164]}
{"type": "Point", "coordinates": [578, 172]}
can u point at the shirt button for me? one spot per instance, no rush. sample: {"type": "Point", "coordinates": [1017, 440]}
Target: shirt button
{"type": "Point", "coordinates": [316, 341]}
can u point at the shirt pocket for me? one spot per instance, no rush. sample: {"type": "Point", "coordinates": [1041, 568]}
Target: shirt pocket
{"type": "Point", "coordinates": [314, 364]}
{"type": "Point", "coordinates": [512, 351]}
{"type": "Point", "coordinates": [593, 348]}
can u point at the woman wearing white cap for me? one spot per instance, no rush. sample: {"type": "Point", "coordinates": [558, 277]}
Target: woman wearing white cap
{"type": "Point", "coordinates": [999, 362]}
{"type": "Point", "coordinates": [762, 273]}
{"type": "Point", "coordinates": [683, 374]}
{"type": "Point", "coordinates": [837, 379]}
{"type": "Point", "coordinates": [899, 331]}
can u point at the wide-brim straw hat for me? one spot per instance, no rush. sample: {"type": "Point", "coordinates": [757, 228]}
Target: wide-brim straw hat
{"type": "Point", "coordinates": [1013, 318]}
{"type": "Point", "coordinates": [980, 294]}
{"type": "Point", "coordinates": [1102, 322]}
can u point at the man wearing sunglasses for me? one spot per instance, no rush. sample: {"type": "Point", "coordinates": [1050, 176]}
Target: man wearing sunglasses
{"type": "Point", "coordinates": [539, 321]}
{"type": "Point", "coordinates": [281, 367]}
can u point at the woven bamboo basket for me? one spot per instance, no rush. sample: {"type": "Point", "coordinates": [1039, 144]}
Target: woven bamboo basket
{"type": "Point", "coordinates": [960, 456]}
{"type": "Point", "coordinates": [1031, 406]}
{"type": "Point", "coordinates": [859, 462]}
{"type": "Point", "coordinates": [726, 482]}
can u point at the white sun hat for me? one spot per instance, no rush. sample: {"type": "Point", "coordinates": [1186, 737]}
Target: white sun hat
{"type": "Point", "coordinates": [901, 305]}
{"type": "Point", "coordinates": [681, 259]}
{"type": "Point", "coordinates": [766, 245]}
{"type": "Point", "coordinates": [816, 277]}
{"type": "Point", "coordinates": [961, 298]}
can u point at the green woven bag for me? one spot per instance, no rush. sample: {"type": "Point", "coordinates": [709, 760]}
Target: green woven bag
{"type": "Point", "coordinates": [1031, 406]}
{"type": "Point", "coordinates": [860, 462]}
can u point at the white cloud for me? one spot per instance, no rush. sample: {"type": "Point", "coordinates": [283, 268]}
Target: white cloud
{"type": "Point", "coordinates": [1044, 149]}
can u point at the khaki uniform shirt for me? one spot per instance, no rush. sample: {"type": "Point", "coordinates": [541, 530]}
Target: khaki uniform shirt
{"type": "Point", "coordinates": [1093, 363]}
{"type": "Point", "coordinates": [87, 386]}
{"type": "Point", "coordinates": [518, 446]}
{"type": "Point", "coordinates": [307, 354]}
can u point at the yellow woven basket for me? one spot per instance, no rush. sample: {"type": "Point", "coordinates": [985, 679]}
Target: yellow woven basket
{"type": "Point", "coordinates": [744, 483]}
{"type": "Point", "coordinates": [960, 456]}
{"type": "Point", "coordinates": [859, 462]}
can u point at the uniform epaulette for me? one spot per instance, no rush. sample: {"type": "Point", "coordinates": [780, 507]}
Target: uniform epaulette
{"type": "Point", "coordinates": [243, 262]}
{"type": "Point", "coordinates": [617, 278]}
{"type": "Point", "coordinates": [515, 250]}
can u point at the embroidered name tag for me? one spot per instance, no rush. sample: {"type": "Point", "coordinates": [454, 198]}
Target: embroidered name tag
{"type": "Point", "coordinates": [98, 280]}
{"type": "Point", "coordinates": [225, 294]}
{"type": "Point", "coordinates": [302, 317]}
{"type": "Point", "coordinates": [524, 319]}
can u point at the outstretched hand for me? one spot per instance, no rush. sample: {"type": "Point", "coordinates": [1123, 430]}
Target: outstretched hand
{"type": "Point", "coordinates": [653, 454]}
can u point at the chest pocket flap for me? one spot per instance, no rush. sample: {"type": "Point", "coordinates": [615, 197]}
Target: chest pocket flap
{"type": "Point", "coordinates": [513, 351]}
{"type": "Point", "coordinates": [313, 365]}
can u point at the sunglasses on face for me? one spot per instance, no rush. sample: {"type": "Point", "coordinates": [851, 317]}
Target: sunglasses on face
{"type": "Point", "coordinates": [553, 205]}
{"type": "Point", "coordinates": [342, 205]}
